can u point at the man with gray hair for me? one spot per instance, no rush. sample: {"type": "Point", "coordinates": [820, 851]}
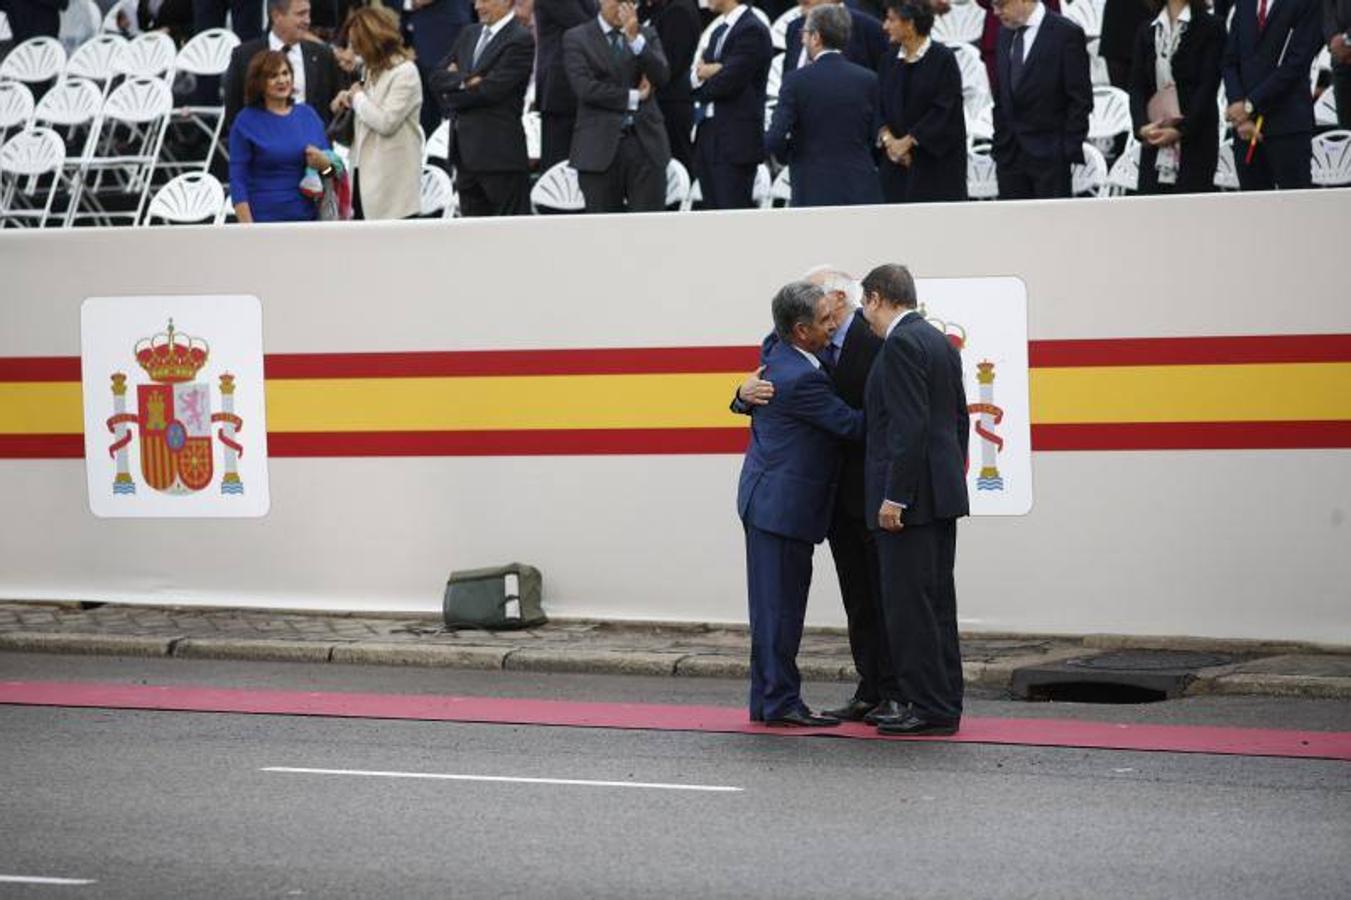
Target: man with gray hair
{"type": "Point", "coordinates": [826, 121]}
{"type": "Point", "coordinates": [786, 494]}
{"type": "Point", "coordinates": [315, 75]}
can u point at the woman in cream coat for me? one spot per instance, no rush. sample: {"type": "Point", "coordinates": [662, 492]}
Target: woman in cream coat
{"type": "Point", "coordinates": [387, 150]}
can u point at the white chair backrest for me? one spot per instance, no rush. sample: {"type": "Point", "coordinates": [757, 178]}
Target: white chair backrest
{"type": "Point", "coordinates": [1325, 109]}
{"type": "Point", "coordinates": [438, 145]}
{"type": "Point", "coordinates": [35, 60]}
{"type": "Point", "coordinates": [677, 183]}
{"type": "Point", "coordinates": [558, 189]}
{"type": "Point", "coordinates": [1332, 158]}
{"type": "Point", "coordinates": [975, 77]}
{"type": "Point", "coordinates": [980, 123]}
{"type": "Point", "coordinates": [16, 105]}
{"type": "Point", "coordinates": [778, 32]}
{"type": "Point", "coordinates": [775, 78]}
{"type": "Point", "coordinates": [762, 194]}
{"type": "Point", "coordinates": [981, 181]}
{"type": "Point", "coordinates": [1087, 14]}
{"type": "Point", "coordinates": [5, 33]}
{"type": "Point", "coordinates": [74, 101]}
{"type": "Point", "coordinates": [94, 58]}
{"type": "Point", "coordinates": [193, 197]}
{"type": "Point", "coordinates": [33, 151]}
{"type": "Point", "coordinates": [1092, 175]}
{"type": "Point", "coordinates": [960, 25]}
{"type": "Point", "coordinates": [1111, 113]}
{"type": "Point", "coordinates": [1098, 72]}
{"type": "Point", "coordinates": [781, 191]}
{"type": "Point", "coordinates": [438, 194]}
{"type": "Point", "coordinates": [1226, 172]}
{"type": "Point", "coordinates": [208, 53]}
{"type": "Point", "coordinates": [1125, 172]}
{"type": "Point", "coordinates": [534, 134]}
{"type": "Point", "coordinates": [1322, 62]}
{"type": "Point", "coordinates": [146, 55]}
{"type": "Point", "coordinates": [139, 100]}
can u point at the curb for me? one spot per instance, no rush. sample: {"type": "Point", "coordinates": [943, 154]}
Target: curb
{"type": "Point", "coordinates": [87, 644]}
{"type": "Point", "coordinates": [257, 649]}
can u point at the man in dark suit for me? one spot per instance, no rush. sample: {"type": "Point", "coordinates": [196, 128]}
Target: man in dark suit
{"type": "Point", "coordinates": [848, 359]}
{"type": "Point", "coordinates": [481, 87]}
{"type": "Point", "coordinates": [867, 41]}
{"type": "Point", "coordinates": [826, 122]}
{"type": "Point", "coordinates": [619, 148]}
{"type": "Point", "coordinates": [315, 69]}
{"type": "Point", "coordinates": [785, 496]}
{"type": "Point", "coordinates": [915, 484]}
{"type": "Point", "coordinates": [553, 94]}
{"type": "Point", "coordinates": [1337, 32]}
{"type": "Point", "coordinates": [1041, 103]}
{"type": "Point", "coordinates": [246, 17]}
{"type": "Point", "coordinates": [730, 90]}
{"type": "Point", "coordinates": [33, 18]}
{"type": "Point", "coordinates": [432, 27]}
{"type": "Point", "coordinates": [1267, 58]}
{"type": "Point", "coordinates": [677, 24]}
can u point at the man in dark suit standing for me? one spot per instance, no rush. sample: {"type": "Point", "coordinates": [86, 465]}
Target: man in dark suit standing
{"type": "Point", "coordinates": [619, 146]}
{"type": "Point", "coordinates": [1271, 47]}
{"type": "Point", "coordinates": [432, 27]}
{"type": "Point", "coordinates": [481, 87]}
{"type": "Point", "coordinates": [1337, 32]}
{"type": "Point", "coordinates": [1041, 103]}
{"type": "Point", "coordinates": [315, 69]}
{"type": "Point", "coordinates": [826, 122]}
{"type": "Point", "coordinates": [785, 496]}
{"type": "Point", "coordinates": [33, 18]}
{"type": "Point", "coordinates": [677, 24]}
{"type": "Point", "coordinates": [867, 41]}
{"type": "Point", "coordinates": [553, 94]}
{"type": "Point", "coordinates": [915, 484]}
{"type": "Point", "coordinates": [729, 86]}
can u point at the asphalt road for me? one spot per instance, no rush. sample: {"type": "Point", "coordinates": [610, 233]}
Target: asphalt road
{"type": "Point", "coordinates": [181, 804]}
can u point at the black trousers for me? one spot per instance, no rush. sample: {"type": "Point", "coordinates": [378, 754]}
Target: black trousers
{"type": "Point", "coordinates": [555, 138]}
{"type": "Point", "coordinates": [919, 607]}
{"type": "Point", "coordinates": [723, 185]}
{"type": "Point", "coordinates": [631, 184]}
{"type": "Point", "coordinates": [679, 116]}
{"type": "Point", "coordinates": [1341, 83]}
{"type": "Point", "coordinates": [1024, 178]}
{"type": "Point", "coordinates": [1284, 162]}
{"type": "Point", "coordinates": [493, 193]}
{"type": "Point", "coordinates": [855, 553]}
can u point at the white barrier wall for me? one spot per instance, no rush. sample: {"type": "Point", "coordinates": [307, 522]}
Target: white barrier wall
{"type": "Point", "coordinates": [1197, 485]}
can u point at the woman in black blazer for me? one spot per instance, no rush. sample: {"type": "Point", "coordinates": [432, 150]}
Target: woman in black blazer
{"type": "Point", "coordinates": [1185, 38]}
{"type": "Point", "coordinates": [924, 129]}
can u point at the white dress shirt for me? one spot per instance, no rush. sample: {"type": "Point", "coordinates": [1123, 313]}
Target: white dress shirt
{"type": "Point", "coordinates": [297, 65]}
{"type": "Point", "coordinates": [1033, 26]}
{"type": "Point", "coordinates": [811, 357]}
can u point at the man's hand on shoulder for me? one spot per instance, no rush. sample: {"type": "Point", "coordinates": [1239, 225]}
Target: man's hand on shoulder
{"type": "Point", "coordinates": [755, 391]}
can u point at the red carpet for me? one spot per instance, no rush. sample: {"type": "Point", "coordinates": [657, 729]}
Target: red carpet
{"type": "Point", "coordinates": [1023, 732]}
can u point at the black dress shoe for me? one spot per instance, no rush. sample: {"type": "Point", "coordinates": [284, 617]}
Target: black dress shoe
{"type": "Point", "coordinates": [802, 718]}
{"type": "Point", "coordinates": [853, 711]}
{"type": "Point", "coordinates": [912, 726]}
{"type": "Point", "coordinates": [887, 711]}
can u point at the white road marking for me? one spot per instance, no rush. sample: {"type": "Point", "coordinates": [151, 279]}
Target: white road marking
{"type": "Point", "coordinates": [36, 879]}
{"type": "Point", "coordinates": [714, 788]}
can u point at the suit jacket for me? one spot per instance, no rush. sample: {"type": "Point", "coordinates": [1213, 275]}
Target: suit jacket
{"type": "Point", "coordinates": [788, 477]}
{"type": "Point", "coordinates": [602, 84]}
{"type": "Point", "coordinates": [1196, 72]}
{"type": "Point", "coordinates": [738, 90]}
{"type": "Point", "coordinates": [33, 18]}
{"type": "Point", "coordinates": [486, 134]}
{"type": "Point", "coordinates": [825, 126]}
{"type": "Point", "coordinates": [924, 99]}
{"type": "Point", "coordinates": [323, 78]}
{"type": "Point", "coordinates": [553, 18]}
{"type": "Point", "coordinates": [1046, 117]}
{"type": "Point", "coordinates": [432, 29]}
{"type": "Point", "coordinates": [918, 426]}
{"type": "Point", "coordinates": [850, 378]}
{"type": "Point", "coordinates": [867, 41]}
{"type": "Point", "coordinates": [1270, 68]}
{"type": "Point", "coordinates": [677, 24]}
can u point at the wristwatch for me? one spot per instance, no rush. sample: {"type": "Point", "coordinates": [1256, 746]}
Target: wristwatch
{"type": "Point", "coordinates": [1247, 108]}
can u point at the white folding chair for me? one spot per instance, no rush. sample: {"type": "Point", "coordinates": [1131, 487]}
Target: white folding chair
{"type": "Point", "coordinates": [557, 190]}
{"type": "Point", "coordinates": [27, 156]}
{"type": "Point", "coordinates": [762, 194]}
{"type": "Point", "coordinates": [980, 123]}
{"type": "Point", "coordinates": [16, 108]}
{"type": "Point", "coordinates": [1325, 110]}
{"type": "Point", "coordinates": [1332, 158]}
{"type": "Point", "coordinates": [534, 131]}
{"type": "Point", "coordinates": [35, 61]}
{"type": "Point", "coordinates": [1097, 66]}
{"type": "Point", "coordinates": [1124, 175]}
{"type": "Point", "coordinates": [781, 191]}
{"type": "Point", "coordinates": [193, 197]}
{"type": "Point", "coordinates": [1322, 62]}
{"type": "Point", "coordinates": [975, 77]}
{"type": "Point", "coordinates": [1110, 117]}
{"type": "Point", "coordinates": [1226, 171]}
{"type": "Point", "coordinates": [677, 184]}
{"type": "Point", "coordinates": [1087, 14]}
{"type": "Point", "coordinates": [438, 194]}
{"type": "Point", "coordinates": [1088, 179]}
{"type": "Point", "coordinates": [148, 55]}
{"type": "Point", "coordinates": [93, 60]}
{"type": "Point", "coordinates": [71, 109]}
{"type": "Point", "coordinates": [774, 82]}
{"type": "Point", "coordinates": [129, 138]}
{"type": "Point", "coordinates": [778, 32]}
{"type": "Point", "coordinates": [438, 145]}
{"type": "Point", "coordinates": [981, 180]}
{"type": "Point", "coordinates": [206, 55]}
{"type": "Point", "coordinates": [960, 25]}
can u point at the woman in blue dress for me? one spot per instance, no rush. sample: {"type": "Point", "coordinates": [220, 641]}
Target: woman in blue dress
{"type": "Point", "coordinates": [272, 140]}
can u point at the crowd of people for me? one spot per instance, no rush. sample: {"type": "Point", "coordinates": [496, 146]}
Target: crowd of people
{"type": "Point", "coordinates": [870, 108]}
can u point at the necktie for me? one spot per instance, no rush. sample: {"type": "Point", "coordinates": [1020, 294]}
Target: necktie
{"type": "Point", "coordinates": [714, 49]}
{"type": "Point", "coordinates": [1016, 57]}
{"type": "Point", "coordinates": [829, 355]}
{"type": "Point", "coordinates": [478, 48]}
{"type": "Point", "coordinates": [617, 43]}
{"type": "Point", "coordinates": [1261, 15]}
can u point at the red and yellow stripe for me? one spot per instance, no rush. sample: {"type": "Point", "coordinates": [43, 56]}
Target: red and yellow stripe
{"type": "Point", "coordinates": [1282, 391]}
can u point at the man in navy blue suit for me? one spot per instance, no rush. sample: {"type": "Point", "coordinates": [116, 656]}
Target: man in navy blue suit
{"type": "Point", "coordinates": [826, 122]}
{"type": "Point", "coordinates": [786, 496]}
{"type": "Point", "coordinates": [1271, 46]}
{"type": "Point", "coordinates": [1042, 101]}
{"type": "Point", "coordinates": [729, 88]}
{"type": "Point", "coordinates": [867, 41]}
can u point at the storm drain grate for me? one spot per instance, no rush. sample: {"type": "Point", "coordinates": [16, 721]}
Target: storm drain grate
{"type": "Point", "coordinates": [1123, 676]}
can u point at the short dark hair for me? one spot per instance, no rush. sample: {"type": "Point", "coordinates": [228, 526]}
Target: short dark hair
{"type": "Point", "coordinates": [277, 6]}
{"type": "Point", "coordinates": [831, 23]}
{"type": "Point", "coordinates": [795, 303]}
{"type": "Point", "coordinates": [264, 65]}
{"type": "Point", "coordinates": [893, 283]}
{"type": "Point", "coordinates": [918, 12]}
